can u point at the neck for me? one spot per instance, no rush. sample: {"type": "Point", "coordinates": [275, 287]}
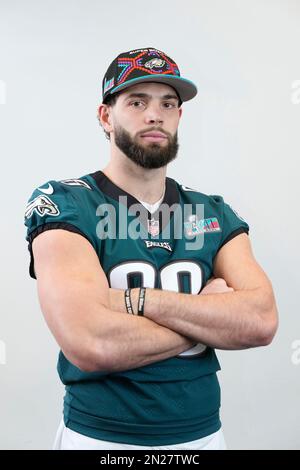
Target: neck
{"type": "Point", "coordinates": [145, 185]}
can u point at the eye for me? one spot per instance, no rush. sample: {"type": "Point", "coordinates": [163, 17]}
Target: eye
{"type": "Point", "coordinates": [171, 105]}
{"type": "Point", "coordinates": [167, 105]}
{"type": "Point", "coordinates": [134, 102]}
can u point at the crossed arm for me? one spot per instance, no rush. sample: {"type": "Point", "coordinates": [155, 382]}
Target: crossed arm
{"type": "Point", "coordinates": [243, 318]}
{"type": "Point", "coordinates": [91, 327]}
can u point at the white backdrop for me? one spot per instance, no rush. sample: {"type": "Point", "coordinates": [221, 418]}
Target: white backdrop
{"type": "Point", "coordinates": [239, 138]}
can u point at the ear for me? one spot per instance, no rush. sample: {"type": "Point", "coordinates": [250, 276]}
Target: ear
{"type": "Point", "coordinates": [104, 116]}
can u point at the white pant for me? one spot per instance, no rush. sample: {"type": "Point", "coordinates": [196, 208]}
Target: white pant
{"type": "Point", "coordinates": [67, 439]}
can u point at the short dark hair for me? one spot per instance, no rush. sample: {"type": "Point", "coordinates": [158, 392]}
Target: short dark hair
{"type": "Point", "coordinates": [112, 99]}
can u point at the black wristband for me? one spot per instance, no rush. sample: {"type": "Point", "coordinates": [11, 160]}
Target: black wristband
{"type": "Point", "coordinates": [141, 301]}
{"type": "Point", "coordinates": [128, 303]}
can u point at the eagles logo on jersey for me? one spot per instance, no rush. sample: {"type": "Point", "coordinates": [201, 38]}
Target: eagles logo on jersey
{"type": "Point", "coordinates": [43, 206]}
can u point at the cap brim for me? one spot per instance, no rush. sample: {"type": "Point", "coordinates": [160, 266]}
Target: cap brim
{"type": "Point", "coordinates": [185, 88]}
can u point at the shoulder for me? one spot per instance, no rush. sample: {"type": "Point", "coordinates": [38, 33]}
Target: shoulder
{"type": "Point", "coordinates": [193, 194]}
{"type": "Point", "coordinates": [65, 189]}
{"type": "Point", "coordinates": [62, 204]}
{"type": "Point", "coordinates": [214, 207]}
{"type": "Point", "coordinates": [53, 200]}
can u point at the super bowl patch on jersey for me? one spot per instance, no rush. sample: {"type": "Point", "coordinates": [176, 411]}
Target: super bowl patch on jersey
{"type": "Point", "coordinates": [196, 227]}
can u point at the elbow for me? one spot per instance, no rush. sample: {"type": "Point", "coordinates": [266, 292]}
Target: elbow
{"type": "Point", "coordinates": [86, 356]}
{"type": "Point", "coordinates": [82, 361]}
{"type": "Point", "coordinates": [269, 333]}
{"type": "Point", "coordinates": [263, 330]}
{"type": "Point", "coordinates": [84, 365]}
{"type": "Point", "coordinates": [268, 327]}
{"type": "Point", "coordinates": [267, 320]}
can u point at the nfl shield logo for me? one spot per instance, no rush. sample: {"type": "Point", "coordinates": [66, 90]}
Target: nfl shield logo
{"type": "Point", "coordinates": [153, 227]}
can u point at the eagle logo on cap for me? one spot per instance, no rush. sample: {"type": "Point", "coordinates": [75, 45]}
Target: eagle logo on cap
{"type": "Point", "coordinates": [154, 63]}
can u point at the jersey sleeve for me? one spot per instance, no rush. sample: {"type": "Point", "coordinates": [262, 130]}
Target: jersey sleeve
{"type": "Point", "coordinates": [232, 224]}
{"type": "Point", "coordinates": [52, 206]}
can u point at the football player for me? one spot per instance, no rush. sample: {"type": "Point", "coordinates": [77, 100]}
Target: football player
{"type": "Point", "coordinates": [140, 277]}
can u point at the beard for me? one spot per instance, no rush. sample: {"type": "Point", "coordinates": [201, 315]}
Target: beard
{"type": "Point", "coordinates": [150, 155]}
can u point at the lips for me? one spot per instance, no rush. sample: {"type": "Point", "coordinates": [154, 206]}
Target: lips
{"type": "Point", "coordinates": [154, 134]}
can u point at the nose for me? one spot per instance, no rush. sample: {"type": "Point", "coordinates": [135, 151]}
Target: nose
{"type": "Point", "coordinates": [153, 113]}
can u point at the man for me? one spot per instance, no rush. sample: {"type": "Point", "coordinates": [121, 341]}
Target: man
{"type": "Point", "coordinates": [140, 277]}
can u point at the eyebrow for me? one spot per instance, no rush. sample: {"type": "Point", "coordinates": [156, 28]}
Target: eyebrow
{"type": "Point", "coordinates": [146, 95]}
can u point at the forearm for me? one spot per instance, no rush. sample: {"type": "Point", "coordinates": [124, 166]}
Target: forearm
{"type": "Point", "coordinates": [231, 320]}
{"type": "Point", "coordinates": [127, 342]}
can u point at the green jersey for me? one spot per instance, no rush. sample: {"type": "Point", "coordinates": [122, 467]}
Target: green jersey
{"type": "Point", "coordinates": [167, 402]}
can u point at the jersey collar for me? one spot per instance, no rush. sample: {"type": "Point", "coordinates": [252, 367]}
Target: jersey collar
{"type": "Point", "coordinates": [171, 195]}
{"type": "Point", "coordinates": [109, 188]}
